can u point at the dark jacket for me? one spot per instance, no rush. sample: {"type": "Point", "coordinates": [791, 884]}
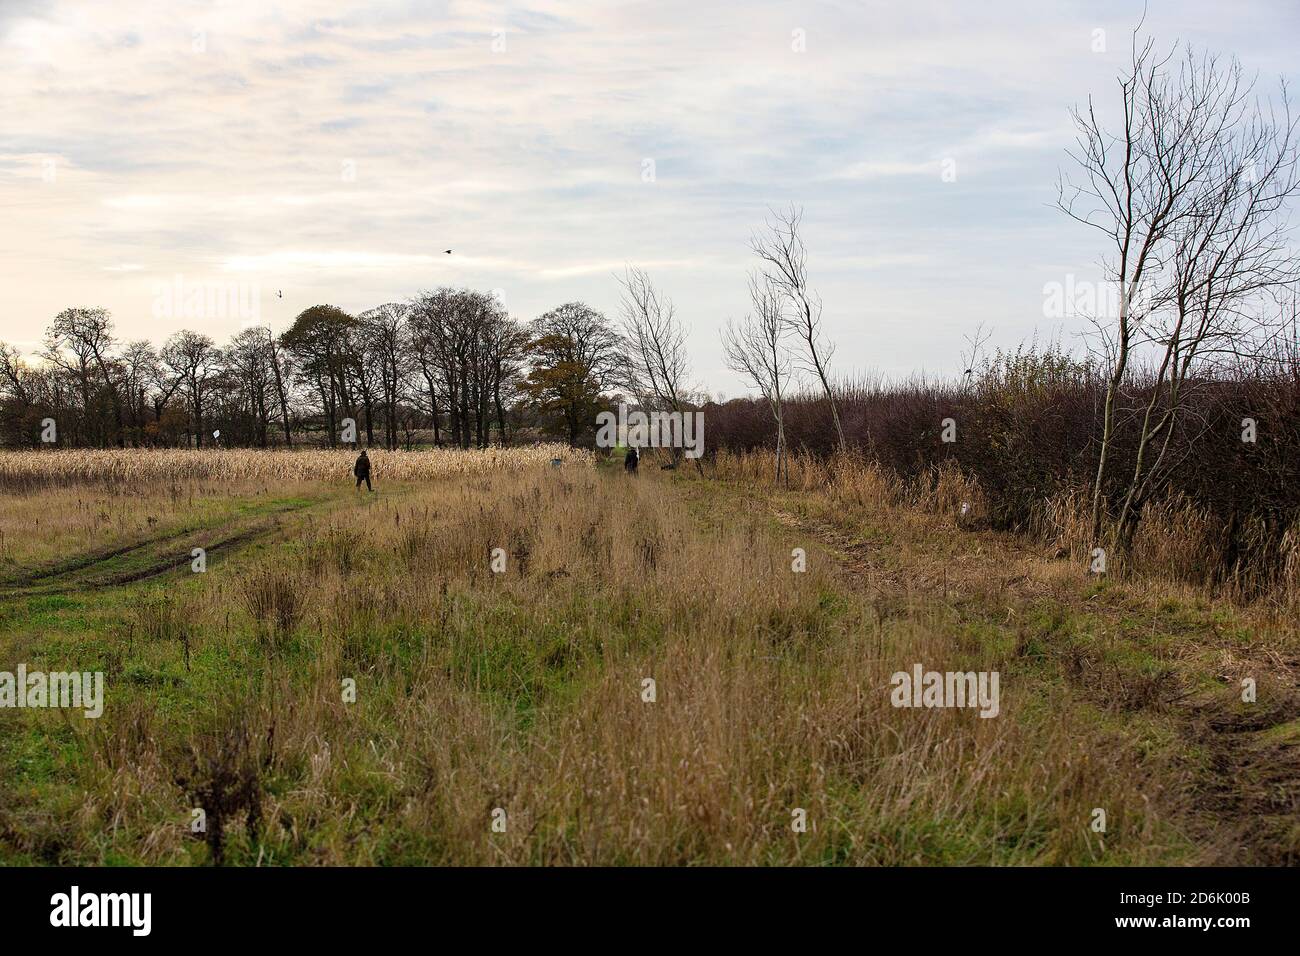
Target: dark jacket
{"type": "Point", "coordinates": [362, 468]}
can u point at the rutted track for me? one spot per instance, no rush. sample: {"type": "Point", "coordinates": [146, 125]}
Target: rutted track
{"type": "Point", "coordinates": [1248, 797]}
{"type": "Point", "coordinates": [148, 558]}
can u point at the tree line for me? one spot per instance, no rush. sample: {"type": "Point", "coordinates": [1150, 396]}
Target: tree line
{"type": "Point", "coordinates": [450, 366]}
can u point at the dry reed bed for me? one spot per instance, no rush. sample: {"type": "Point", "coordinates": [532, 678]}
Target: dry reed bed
{"type": "Point", "coordinates": [143, 465]}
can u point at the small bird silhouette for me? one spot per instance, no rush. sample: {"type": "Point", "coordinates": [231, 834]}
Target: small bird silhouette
{"type": "Point", "coordinates": [448, 252]}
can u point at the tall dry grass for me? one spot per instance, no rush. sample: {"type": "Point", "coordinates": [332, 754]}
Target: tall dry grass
{"type": "Point", "coordinates": [1028, 432]}
{"type": "Point", "coordinates": [44, 523]}
{"type": "Point", "coordinates": [61, 503]}
{"type": "Point", "coordinates": [148, 467]}
{"type": "Point", "coordinates": [523, 691]}
{"type": "Point", "coordinates": [862, 482]}
{"type": "Point", "coordinates": [1176, 539]}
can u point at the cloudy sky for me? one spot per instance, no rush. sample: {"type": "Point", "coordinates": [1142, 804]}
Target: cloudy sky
{"type": "Point", "coordinates": [330, 151]}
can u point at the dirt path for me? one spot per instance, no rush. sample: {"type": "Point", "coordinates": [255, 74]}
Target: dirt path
{"type": "Point", "coordinates": [1246, 795]}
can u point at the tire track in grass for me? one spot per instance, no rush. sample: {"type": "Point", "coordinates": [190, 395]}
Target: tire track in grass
{"type": "Point", "coordinates": [160, 554]}
{"type": "Point", "coordinates": [104, 555]}
{"type": "Point", "coordinates": [1246, 800]}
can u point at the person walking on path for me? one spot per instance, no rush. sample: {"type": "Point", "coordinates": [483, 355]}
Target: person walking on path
{"type": "Point", "coordinates": [362, 470]}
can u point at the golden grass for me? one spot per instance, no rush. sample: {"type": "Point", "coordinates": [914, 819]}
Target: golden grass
{"type": "Point", "coordinates": [523, 691]}
{"type": "Point", "coordinates": [1175, 540]}
{"type": "Point", "coordinates": [1148, 642]}
{"type": "Point", "coordinates": [76, 501]}
{"type": "Point", "coordinates": [151, 466]}
{"type": "Point", "coordinates": [52, 523]}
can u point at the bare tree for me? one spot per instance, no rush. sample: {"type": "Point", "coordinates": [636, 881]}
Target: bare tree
{"type": "Point", "coordinates": [1140, 185]}
{"type": "Point", "coordinates": [18, 396]}
{"type": "Point", "coordinates": [429, 324]}
{"type": "Point", "coordinates": [165, 382]}
{"type": "Point", "coordinates": [195, 360]}
{"type": "Point", "coordinates": [139, 362]}
{"type": "Point", "coordinates": [385, 330]}
{"type": "Point", "coordinates": [468, 351]}
{"type": "Point", "coordinates": [13, 378]}
{"type": "Point", "coordinates": [658, 364]}
{"type": "Point", "coordinates": [80, 341]}
{"type": "Point", "coordinates": [281, 375]}
{"type": "Point", "coordinates": [248, 360]}
{"type": "Point", "coordinates": [1228, 257]}
{"type": "Point", "coordinates": [973, 353]}
{"type": "Point", "coordinates": [505, 347]}
{"type": "Point", "coordinates": [785, 267]}
{"type": "Point", "coordinates": [756, 350]}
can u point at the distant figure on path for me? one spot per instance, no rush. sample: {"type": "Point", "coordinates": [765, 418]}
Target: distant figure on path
{"type": "Point", "coordinates": [362, 470]}
{"type": "Point", "coordinates": [630, 462]}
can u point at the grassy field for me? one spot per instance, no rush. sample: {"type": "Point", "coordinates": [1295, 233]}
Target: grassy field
{"type": "Point", "coordinates": [351, 682]}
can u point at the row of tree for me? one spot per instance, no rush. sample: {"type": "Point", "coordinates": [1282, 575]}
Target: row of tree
{"type": "Point", "coordinates": [451, 365]}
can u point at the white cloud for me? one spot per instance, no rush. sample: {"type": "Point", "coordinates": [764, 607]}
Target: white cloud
{"type": "Point", "coordinates": [337, 261]}
{"type": "Point", "coordinates": [197, 137]}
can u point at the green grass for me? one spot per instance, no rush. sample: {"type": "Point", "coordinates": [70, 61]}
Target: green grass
{"type": "Point", "coordinates": [511, 660]}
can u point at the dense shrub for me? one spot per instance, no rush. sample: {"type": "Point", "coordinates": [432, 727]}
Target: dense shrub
{"type": "Point", "coordinates": [1028, 429]}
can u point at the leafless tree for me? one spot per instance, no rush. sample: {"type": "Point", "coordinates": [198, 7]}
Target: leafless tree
{"type": "Point", "coordinates": [430, 329]}
{"type": "Point", "coordinates": [80, 341]}
{"type": "Point", "coordinates": [756, 349]}
{"type": "Point", "coordinates": [972, 354]}
{"type": "Point", "coordinates": [139, 362]}
{"type": "Point", "coordinates": [784, 259]}
{"type": "Point", "coordinates": [468, 351]}
{"type": "Point", "coordinates": [13, 377]}
{"type": "Point", "coordinates": [248, 362]}
{"type": "Point", "coordinates": [658, 363]}
{"type": "Point", "coordinates": [1227, 259]}
{"type": "Point", "coordinates": [1144, 187]}
{"type": "Point", "coordinates": [385, 330]}
{"type": "Point", "coordinates": [195, 361]}
{"type": "Point", "coordinates": [505, 347]}
{"type": "Point", "coordinates": [281, 375]}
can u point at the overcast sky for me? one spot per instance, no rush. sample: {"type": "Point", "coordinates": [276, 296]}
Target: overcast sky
{"type": "Point", "coordinates": [332, 150]}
